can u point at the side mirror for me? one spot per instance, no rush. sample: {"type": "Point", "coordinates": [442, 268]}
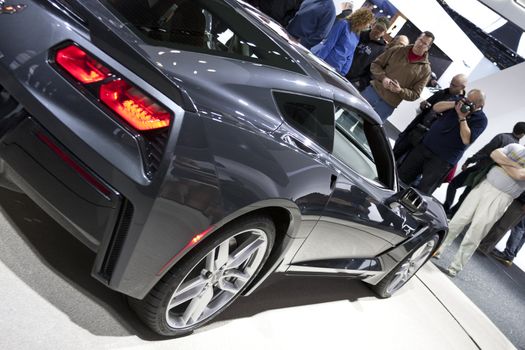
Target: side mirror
{"type": "Point", "coordinates": [411, 199]}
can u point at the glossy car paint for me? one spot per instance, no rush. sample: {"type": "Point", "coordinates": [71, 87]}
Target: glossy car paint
{"type": "Point", "coordinates": [225, 156]}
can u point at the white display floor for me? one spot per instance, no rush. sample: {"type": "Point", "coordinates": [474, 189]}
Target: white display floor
{"type": "Point", "coordinates": [49, 301]}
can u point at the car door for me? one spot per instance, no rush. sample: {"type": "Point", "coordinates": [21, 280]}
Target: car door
{"type": "Point", "coordinates": [357, 224]}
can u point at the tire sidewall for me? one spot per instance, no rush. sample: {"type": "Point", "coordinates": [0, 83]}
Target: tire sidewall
{"type": "Point", "coordinates": [383, 285]}
{"type": "Point", "coordinates": [180, 270]}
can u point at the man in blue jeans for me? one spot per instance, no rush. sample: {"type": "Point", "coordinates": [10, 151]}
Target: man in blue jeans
{"type": "Point", "coordinates": [514, 244]}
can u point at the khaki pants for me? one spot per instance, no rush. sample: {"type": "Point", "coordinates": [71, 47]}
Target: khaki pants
{"type": "Point", "coordinates": [481, 209]}
{"type": "Point", "coordinates": [513, 216]}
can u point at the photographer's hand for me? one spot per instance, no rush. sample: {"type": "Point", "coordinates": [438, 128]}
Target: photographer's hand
{"type": "Point", "coordinates": [464, 129]}
{"type": "Point", "coordinates": [461, 115]}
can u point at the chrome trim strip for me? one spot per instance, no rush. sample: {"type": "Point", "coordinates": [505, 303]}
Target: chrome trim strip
{"type": "Point", "coordinates": [328, 270]}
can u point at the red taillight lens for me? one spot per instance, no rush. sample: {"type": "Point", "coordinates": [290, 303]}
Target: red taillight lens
{"type": "Point", "coordinates": [80, 65]}
{"type": "Point", "coordinates": [133, 106]}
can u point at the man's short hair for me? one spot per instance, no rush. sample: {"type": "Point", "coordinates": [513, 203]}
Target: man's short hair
{"type": "Point", "coordinates": [429, 35]}
{"type": "Point", "coordinates": [382, 22]}
{"type": "Point", "coordinates": [519, 128]}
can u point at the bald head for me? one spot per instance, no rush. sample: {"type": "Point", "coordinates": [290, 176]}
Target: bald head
{"type": "Point", "coordinates": [477, 97]}
{"type": "Point", "coordinates": [458, 84]}
{"type": "Point", "coordinates": [400, 40]}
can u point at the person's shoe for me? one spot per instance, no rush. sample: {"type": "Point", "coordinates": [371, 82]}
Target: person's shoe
{"type": "Point", "coordinates": [451, 272]}
{"type": "Point", "coordinates": [484, 251]}
{"type": "Point", "coordinates": [501, 257]}
{"type": "Point", "coordinates": [436, 255]}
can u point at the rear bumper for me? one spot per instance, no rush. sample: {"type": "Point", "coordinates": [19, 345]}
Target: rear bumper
{"type": "Point", "coordinates": [60, 183]}
{"type": "Point", "coordinates": [68, 191]}
{"type": "Point", "coordinates": [134, 224]}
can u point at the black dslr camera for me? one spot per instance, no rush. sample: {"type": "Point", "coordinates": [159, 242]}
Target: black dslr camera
{"type": "Point", "coordinates": [467, 106]}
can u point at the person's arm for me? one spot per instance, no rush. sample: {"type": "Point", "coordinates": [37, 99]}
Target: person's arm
{"type": "Point", "coordinates": [464, 129]}
{"type": "Point", "coordinates": [412, 93]}
{"type": "Point", "coordinates": [324, 25]}
{"type": "Point", "coordinates": [443, 106]}
{"type": "Point", "coordinates": [377, 67]}
{"type": "Point", "coordinates": [354, 40]}
{"type": "Point", "coordinates": [501, 158]}
{"type": "Point", "coordinates": [436, 97]}
{"type": "Point", "coordinates": [346, 66]}
{"type": "Point", "coordinates": [327, 46]}
{"type": "Point", "coordinates": [485, 151]}
{"type": "Point", "coordinates": [516, 174]}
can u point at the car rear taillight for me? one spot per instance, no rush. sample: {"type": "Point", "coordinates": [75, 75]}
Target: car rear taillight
{"type": "Point", "coordinates": [127, 101]}
{"type": "Point", "coordinates": [80, 65]}
{"type": "Point", "coordinates": [140, 111]}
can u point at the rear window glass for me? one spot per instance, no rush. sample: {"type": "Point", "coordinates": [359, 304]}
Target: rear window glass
{"type": "Point", "coordinates": [312, 116]}
{"type": "Point", "coordinates": [208, 26]}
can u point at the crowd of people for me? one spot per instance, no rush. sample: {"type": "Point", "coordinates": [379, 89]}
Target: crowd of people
{"type": "Point", "coordinates": [428, 150]}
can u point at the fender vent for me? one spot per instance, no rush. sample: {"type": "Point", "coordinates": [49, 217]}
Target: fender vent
{"type": "Point", "coordinates": [117, 241]}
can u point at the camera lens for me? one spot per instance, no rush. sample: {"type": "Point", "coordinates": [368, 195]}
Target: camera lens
{"type": "Point", "coordinates": [465, 108]}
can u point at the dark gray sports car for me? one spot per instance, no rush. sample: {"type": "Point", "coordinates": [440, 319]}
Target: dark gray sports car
{"type": "Point", "coordinates": [196, 149]}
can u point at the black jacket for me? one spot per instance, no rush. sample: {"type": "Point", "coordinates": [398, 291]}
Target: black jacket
{"type": "Point", "coordinates": [418, 127]}
{"type": "Point", "coordinates": [365, 53]}
{"type": "Point", "coordinates": [482, 157]}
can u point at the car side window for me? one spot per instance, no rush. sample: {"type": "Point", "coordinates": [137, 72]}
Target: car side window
{"type": "Point", "coordinates": [314, 117]}
{"type": "Point", "coordinates": [208, 26]}
{"type": "Point", "coordinates": [351, 145]}
{"type": "Point", "coordinates": [363, 147]}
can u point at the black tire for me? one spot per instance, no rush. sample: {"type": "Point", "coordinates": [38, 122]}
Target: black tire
{"type": "Point", "coordinates": [153, 309]}
{"type": "Point", "coordinates": [389, 285]}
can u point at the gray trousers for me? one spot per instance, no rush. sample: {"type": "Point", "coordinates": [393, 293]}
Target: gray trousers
{"type": "Point", "coordinates": [510, 218]}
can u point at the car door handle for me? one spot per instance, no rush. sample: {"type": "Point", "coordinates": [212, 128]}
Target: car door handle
{"type": "Point", "coordinates": [333, 180]}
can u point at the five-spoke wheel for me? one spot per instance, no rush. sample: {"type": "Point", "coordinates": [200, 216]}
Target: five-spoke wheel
{"type": "Point", "coordinates": [208, 279]}
{"type": "Point", "coordinates": [405, 270]}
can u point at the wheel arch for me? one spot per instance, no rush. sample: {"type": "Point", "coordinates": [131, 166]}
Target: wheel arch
{"type": "Point", "coordinates": [393, 257]}
{"type": "Point", "coordinates": [286, 217]}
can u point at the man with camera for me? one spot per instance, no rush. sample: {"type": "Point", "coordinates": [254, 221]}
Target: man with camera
{"type": "Point", "coordinates": [418, 127]}
{"type": "Point", "coordinates": [460, 124]}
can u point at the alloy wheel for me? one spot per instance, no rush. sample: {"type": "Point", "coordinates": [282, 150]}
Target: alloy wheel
{"type": "Point", "coordinates": [410, 266]}
{"type": "Point", "coordinates": [216, 279]}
